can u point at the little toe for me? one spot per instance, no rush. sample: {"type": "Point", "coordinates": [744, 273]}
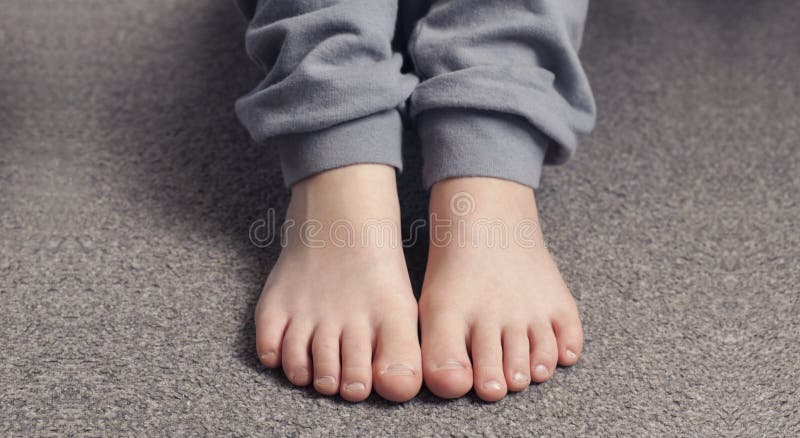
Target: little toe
{"type": "Point", "coordinates": [356, 379]}
{"type": "Point", "coordinates": [397, 367]}
{"type": "Point", "coordinates": [544, 351]}
{"type": "Point", "coordinates": [569, 336]}
{"type": "Point", "coordinates": [269, 337]}
{"type": "Point", "coordinates": [295, 352]}
{"type": "Point", "coordinates": [325, 353]}
{"type": "Point", "coordinates": [487, 363]}
{"type": "Point", "coordinates": [516, 358]}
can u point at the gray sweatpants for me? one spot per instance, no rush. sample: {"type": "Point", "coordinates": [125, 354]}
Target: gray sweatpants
{"type": "Point", "coordinates": [493, 87]}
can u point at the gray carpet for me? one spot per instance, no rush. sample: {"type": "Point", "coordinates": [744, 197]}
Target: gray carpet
{"type": "Point", "coordinates": [127, 187]}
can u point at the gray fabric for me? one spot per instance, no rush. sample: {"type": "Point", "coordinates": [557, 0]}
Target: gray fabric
{"type": "Point", "coordinates": [327, 64]}
{"type": "Point", "coordinates": [504, 58]}
{"type": "Point", "coordinates": [376, 139]}
{"type": "Point", "coordinates": [463, 142]}
{"type": "Point", "coordinates": [127, 189]}
{"type": "Point", "coordinates": [507, 70]}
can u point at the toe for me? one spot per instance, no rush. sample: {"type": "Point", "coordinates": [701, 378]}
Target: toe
{"type": "Point", "coordinates": [356, 363]}
{"type": "Point", "coordinates": [295, 352]}
{"type": "Point", "coordinates": [397, 367]}
{"type": "Point", "coordinates": [445, 363]}
{"type": "Point", "coordinates": [325, 354]}
{"type": "Point", "coordinates": [487, 362]}
{"type": "Point", "coordinates": [516, 358]}
{"type": "Point", "coordinates": [569, 335]}
{"type": "Point", "coordinates": [269, 337]}
{"type": "Point", "coordinates": [544, 351]}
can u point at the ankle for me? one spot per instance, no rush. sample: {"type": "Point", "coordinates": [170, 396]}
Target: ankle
{"type": "Point", "coordinates": [479, 197]}
{"type": "Point", "coordinates": [357, 177]}
{"type": "Point", "coordinates": [484, 214]}
{"type": "Point", "coordinates": [352, 190]}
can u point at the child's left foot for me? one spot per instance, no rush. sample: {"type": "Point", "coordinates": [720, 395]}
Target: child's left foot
{"type": "Point", "coordinates": [494, 312]}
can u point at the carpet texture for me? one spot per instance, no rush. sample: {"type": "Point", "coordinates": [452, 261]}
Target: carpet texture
{"type": "Point", "coordinates": [127, 191]}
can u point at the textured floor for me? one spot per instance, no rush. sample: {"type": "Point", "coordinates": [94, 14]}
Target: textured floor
{"type": "Point", "coordinates": [127, 188]}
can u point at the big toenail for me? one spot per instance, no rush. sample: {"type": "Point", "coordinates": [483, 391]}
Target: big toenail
{"type": "Point", "coordinates": [541, 372]}
{"type": "Point", "coordinates": [450, 365]}
{"type": "Point", "coordinates": [520, 377]}
{"type": "Point", "coordinates": [493, 385]}
{"type": "Point", "coordinates": [399, 370]}
{"type": "Point", "coordinates": [269, 356]}
{"type": "Point", "coordinates": [326, 381]}
{"type": "Point", "coordinates": [355, 387]}
{"type": "Point", "coordinates": [299, 374]}
{"type": "Point", "coordinates": [571, 355]}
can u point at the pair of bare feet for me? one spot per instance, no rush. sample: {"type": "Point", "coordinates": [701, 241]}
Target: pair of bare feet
{"type": "Point", "coordinates": [338, 311]}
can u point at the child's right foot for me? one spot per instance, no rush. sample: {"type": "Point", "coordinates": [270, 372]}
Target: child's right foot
{"type": "Point", "coordinates": [340, 313]}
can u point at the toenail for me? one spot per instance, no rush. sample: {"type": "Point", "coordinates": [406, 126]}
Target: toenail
{"type": "Point", "coordinates": [541, 372]}
{"type": "Point", "coordinates": [269, 356]}
{"type": "Point", "coordinates": [571, 355]}
{"type": "Point", "coordinates": [520, 377]}
{"type": "Point", "coordinates": [399, 370]}
{"type": "Point", "coordinates": [493, 385]}
{"type": "Point", "coordinates": [355, 387]}
{"type": "Point", "coordinates": [299, 374]}
{"type": "Point", "coordinates": [326, 381]}
{"type": "Point", "coordinates": [450, 365]}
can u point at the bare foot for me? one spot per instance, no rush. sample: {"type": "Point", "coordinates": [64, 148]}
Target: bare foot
{"type": "Point", "coordinates": [495, 313]}
{"type": "Point", "coordinates": [337, 309]}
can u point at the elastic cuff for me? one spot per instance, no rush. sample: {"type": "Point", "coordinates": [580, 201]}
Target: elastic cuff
{"type": "Point", "coordinates": [373, 139]}
{"type": "Point", "coordinates": [465, 142]}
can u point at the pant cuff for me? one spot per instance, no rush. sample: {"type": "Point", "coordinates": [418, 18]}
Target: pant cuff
{"type": "Point", "coordinates": [466, 142]}
{"type": "Point", "coordinates": [375, 139]}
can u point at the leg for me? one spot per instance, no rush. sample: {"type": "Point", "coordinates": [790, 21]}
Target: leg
{"type": "Point", "coordinates": [503, 92]}
{"type": "Point", "coordinates": [337, 309]}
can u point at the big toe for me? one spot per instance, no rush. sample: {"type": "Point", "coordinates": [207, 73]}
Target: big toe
{"type": "Point", "coordinates": [445, 362]}
{"type": "Point", "coordinates": [397, 373]}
